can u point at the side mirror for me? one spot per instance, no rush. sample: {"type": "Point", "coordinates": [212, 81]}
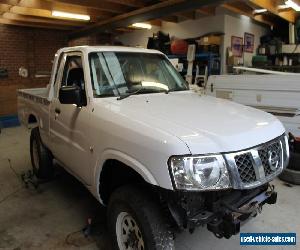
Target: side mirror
{"type": "Point", "coordinates": [70, 95]}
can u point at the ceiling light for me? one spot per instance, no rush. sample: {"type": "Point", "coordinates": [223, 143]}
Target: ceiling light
{"type": "Point", "coordinates": [283, 7]}
{"type": "Point", "coordinates": [293, 5]}
{"type": "Point", "coordinates": [259, 11]}
{"type": "Point", "coordinates": [142, 25]}
{"type": "Point", "coordinates": [70, 15]}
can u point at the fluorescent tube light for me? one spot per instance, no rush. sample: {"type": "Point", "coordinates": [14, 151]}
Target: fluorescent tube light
{"type": "Point", "coordinates": [142, 25]}
{"type": "Point", "coordinates": [259, 11]}
{"type": "Point", "coordinates": [293, 5]}
{"type": "Point", "coordinates": [283, 7]}
{"type": "Point", "coordinates": [70, 15]}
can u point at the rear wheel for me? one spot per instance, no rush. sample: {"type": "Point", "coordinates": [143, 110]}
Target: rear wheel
{"type": "Point", "coordinates": [136, 221]}
{"type": "Point", "coordinates": [41, 158]}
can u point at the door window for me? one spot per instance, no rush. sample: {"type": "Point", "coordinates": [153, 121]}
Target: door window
{"type": "Point", "coordinates": [73, 74]}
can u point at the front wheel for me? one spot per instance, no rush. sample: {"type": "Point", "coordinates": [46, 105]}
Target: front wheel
{"type": "Point", "coordinates": [136, 221]}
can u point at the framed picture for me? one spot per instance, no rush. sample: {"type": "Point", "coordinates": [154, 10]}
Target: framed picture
{"type": "Point", "coordinates": [249, 42]}
{"type": "Point", "coordinates": [237, 46]}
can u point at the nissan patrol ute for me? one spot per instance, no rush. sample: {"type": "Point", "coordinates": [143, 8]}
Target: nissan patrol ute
{"type": "Point", "coordinates": [159, 156]}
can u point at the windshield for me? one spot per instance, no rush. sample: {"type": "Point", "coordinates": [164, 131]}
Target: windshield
{"type": "Point", "coordinates": [123, 73]}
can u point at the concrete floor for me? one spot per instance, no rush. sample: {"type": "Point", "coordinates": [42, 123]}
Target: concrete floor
{"type": "Point", "coordinates": [51, 217]}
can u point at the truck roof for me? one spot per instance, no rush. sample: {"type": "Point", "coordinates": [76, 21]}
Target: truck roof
{"type": "Point", "coordinates": [88, 49]}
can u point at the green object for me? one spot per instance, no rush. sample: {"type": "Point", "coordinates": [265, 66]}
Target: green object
{"type": "Point", "coordinates": [259, 60]}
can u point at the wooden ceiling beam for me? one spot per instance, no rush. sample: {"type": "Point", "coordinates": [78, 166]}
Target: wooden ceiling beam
{"type": "Point", "coordinates": [4, 7]}
{"type": "Point", "coordinates": [155, 22]}
{"type": "Point", "coordinates": [272, 6]}
{"type": "Point", "coordinates": [258, 18]}
{"type": "Point", "coordinates": [101, 5]}
{"type": "Point", "coordinates": [131, 3]}
{"type": "Point", "coordinates": [207, 10]}
{"type": "Point", "coordinates": [9, 2]}
{"type": "Point", "coordinates": [266, 19]}
{"type": "Point", "coordinates": [125, 30]}
{"type": "Point", "coordinates": [143, 14]}
{"type": "Point", "coordinates": [186, 14]}
{"type": "Point", "coordinates": [31, 12]}
{"type": "Point", "coordinates": [48, 5]}
{"type": "Point", "coordinates": [170, 19]}
{"type": "Point", "coordinates": [41, 13]}
{"type": "Point", "coordinates": [28, 19]}
{"type": "Point", "coordinates": [35, 25]}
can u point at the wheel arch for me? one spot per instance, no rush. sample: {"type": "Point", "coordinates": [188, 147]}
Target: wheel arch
{"type": "Point", "coordinates": [32, 120]}
{"type": "Point", "coordinates": [118, 169]}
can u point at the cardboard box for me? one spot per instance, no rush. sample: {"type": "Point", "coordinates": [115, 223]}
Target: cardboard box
{"type": "Point", "coordinates": [207, 40]}
{"type": "Point", "coordinates": [233, 60]}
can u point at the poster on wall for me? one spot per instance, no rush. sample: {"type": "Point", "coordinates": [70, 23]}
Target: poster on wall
{"type": "Point", "coordinates": [249, 42]}
{"type": "Point", "coordinates": [237, 46]}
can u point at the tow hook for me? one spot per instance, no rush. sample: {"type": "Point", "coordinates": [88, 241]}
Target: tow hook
{"type": "Point", "coordinates": [225, 227]}
{"type": "Point", "coordinates": [257, 207]}
{"type": "Point", "coordinates": [272, 195]}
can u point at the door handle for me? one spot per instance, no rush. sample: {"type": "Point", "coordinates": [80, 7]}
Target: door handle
{"type": "Point", "coordinates": [57, 110]}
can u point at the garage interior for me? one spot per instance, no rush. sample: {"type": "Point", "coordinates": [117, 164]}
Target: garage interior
{"type": "Point", "coordinates": [225, 37]}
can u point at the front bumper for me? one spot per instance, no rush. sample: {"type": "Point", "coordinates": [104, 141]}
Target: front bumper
{"type": "Point", "coordinates": [222, 212]}
{"type": "Point", "coordinates": [233, 216]}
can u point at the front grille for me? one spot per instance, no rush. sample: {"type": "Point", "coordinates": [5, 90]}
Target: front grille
{"type": "Point", "coordinates": [245, 167]}
{"type": "Point", "coordinates": [258, 165]}
{"type": "Point", "coordinates": [264, 156]}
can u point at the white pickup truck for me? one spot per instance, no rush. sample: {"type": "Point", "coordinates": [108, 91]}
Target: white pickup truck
{"type": "Point", "coordinates": [158, 155]}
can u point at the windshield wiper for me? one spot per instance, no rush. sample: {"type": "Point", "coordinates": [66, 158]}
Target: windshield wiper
{"type": "Point", "coordinates": [121, 97]}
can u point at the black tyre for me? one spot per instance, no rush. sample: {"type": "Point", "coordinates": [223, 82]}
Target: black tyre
{"type": "Point", "coordinates": [136, 221]}
{"type": "Point", "coordinates": [292, 173]}
{"type": "Point", "coordinates": [41, 157]}
{"type": "Point", "coordinates": [294, 161]}
{"type": "Point", "coordinates": [290, 176]}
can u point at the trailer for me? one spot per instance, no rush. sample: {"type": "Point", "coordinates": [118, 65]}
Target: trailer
{"type": "Point", "coordinates": [278, 94]}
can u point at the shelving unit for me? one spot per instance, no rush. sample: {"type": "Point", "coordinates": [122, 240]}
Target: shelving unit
{"type": "Point", "coordinates": [211, 60]}
{"type": "Point", "coordinates": [284, 58]}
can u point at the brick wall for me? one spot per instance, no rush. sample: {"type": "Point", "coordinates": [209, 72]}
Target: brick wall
{"type": "Point", "coordinates": [30, 48]}
{"type": "Point", "coordinates": [34, 50]}
{"type": "Point", "coordinates": [97, 39]}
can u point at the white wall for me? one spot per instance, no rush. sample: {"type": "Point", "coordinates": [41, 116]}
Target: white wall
{"type": "Point", "coordinates": [237, 26]}
{"type": "Point", "coordinates": [185, 29]}
{"type": "Point", "coordinates": [194, 28]}
{"type": "Point", "coordinates": [138, 38]}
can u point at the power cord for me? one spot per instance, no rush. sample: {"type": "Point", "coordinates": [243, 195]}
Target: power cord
{"type": "Point", "coordinates": [69, 235]}
{"type": "Point", "coordinates": [87, 230]}
{"type": "Point", "coordinates": [16, 191]}
{"type": "Point", "coordinates": [11, 194]}
{"type": "Point", "coordinates": [12, 169]}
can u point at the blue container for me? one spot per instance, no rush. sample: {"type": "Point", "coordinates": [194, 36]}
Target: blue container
{"type": "Point", "coordinates": [9, 121]}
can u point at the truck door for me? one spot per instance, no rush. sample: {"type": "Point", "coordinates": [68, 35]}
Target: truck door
{"type": "Point", "coordinates": [69, 124]}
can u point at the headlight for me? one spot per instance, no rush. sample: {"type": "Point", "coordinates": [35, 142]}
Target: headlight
{"type": "Point", "coordinates": [199, 172]}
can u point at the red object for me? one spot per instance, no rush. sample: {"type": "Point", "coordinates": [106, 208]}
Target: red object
{"type": "Point", "coordinates": [179, 47]}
